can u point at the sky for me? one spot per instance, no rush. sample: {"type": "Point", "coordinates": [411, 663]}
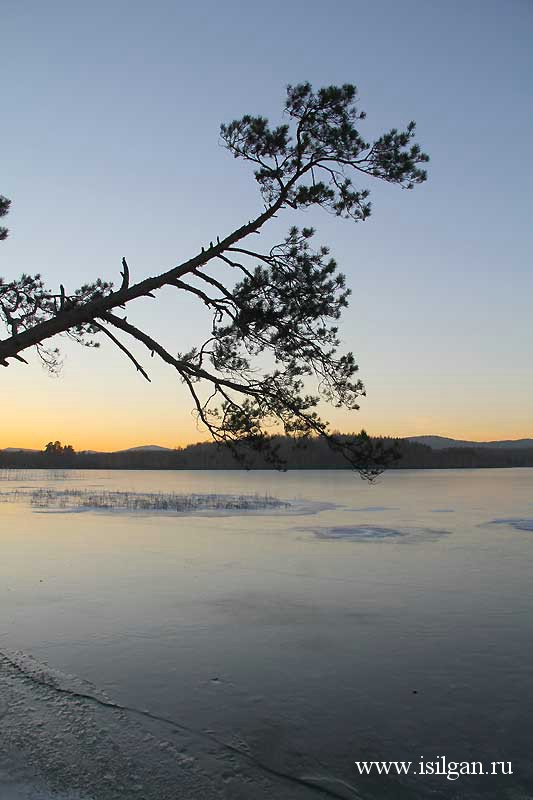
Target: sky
{"type": "Point", "coordinates": [109, 143]}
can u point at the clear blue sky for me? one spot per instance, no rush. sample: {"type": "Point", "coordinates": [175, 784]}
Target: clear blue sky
{"type": "Point", "coordinates": [110, 118]}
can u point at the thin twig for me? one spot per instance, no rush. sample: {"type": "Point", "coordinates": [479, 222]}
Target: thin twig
{"type": "Point", "coordinates": [123, 348]}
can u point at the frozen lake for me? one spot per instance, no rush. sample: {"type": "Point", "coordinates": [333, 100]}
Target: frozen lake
{"type": "Point", "coordinates": [363, 622]}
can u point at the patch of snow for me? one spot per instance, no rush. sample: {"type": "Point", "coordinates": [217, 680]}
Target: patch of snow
{"type": "Point", "coordinates": [374, 533]}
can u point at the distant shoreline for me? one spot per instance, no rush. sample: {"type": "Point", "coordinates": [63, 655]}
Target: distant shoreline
{"type": "Point", "coordinates": [310, 454]}
{"type": "Point", "coordinates": [74, 468]}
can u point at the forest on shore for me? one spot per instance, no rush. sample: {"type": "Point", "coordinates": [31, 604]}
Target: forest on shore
{"type": "Point", "coordinates": [307, 454]}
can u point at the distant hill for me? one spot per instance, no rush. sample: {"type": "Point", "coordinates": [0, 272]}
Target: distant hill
{"type": "Point", "coordinates": [19, 450]}
{"type": "Point", "coordinates": [143, 448]}
{"type": "Point", "coordinates": [435, 442]}
{"type": "Point", "coordinates": [443, 442]}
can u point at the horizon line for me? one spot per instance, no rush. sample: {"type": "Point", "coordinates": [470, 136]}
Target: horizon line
{"type": "Point", "coordinates": [210, 441]}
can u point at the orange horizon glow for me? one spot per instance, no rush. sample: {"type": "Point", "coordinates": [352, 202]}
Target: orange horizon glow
{"type": "Point", "coordinates": [113, 444]}
{"type": "Point", "coordinates": [97, 404]}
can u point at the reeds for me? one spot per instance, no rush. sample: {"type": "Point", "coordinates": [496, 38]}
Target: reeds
{"type": "Point", "coordinates": [87, 499]}
{"type": "Point", "coordinates": [20, 475]}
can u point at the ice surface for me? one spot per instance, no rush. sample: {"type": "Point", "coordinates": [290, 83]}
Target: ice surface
{"type": "Point", "coordinates": [300, 649]}
{"type": "Point", "coordinates": [373, 508]}
{"type": "Point", "coordinates": [11, 789]}
{"type": "Point", "coordinates": [81, 750]}
{"type": "Point", "coordinates": [516, 523]}
{"type": "Point", "coordinates": [361, 533]}
{"type": "Point", "coordinates": [83, 746]}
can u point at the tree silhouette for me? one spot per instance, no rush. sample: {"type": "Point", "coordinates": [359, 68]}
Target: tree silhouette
{"type": "Point", "coordinates": [57, 449]}
{"type": "Point", "coordinates": [286, 300]}
{"type": "Point", "coordinates": [4, 208]}
{"type": "Point", "coordinates": [57, 454]}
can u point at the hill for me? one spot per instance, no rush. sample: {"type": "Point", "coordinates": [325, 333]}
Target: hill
{"type": "Point", "coordinates": [443, 442]}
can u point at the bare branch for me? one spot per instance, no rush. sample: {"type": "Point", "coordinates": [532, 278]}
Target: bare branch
{"type": "Point", "coordinates": [85, 313]}
{"type": "Point", "coordinates": [183, 367]}
{"type": "Point", "coordinates": [125, 275]}
{"type": "Point", "coordinates": [250, 253]}
{"type": "Point", "coordinates": [123, 348]}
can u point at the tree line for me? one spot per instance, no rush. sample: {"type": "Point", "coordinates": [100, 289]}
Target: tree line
{"type": "Point", "coordinates": [310, 453]}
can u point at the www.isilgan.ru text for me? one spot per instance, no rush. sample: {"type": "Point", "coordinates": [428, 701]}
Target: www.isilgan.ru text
{"type": "Point", "coordinates": [441, 766]}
